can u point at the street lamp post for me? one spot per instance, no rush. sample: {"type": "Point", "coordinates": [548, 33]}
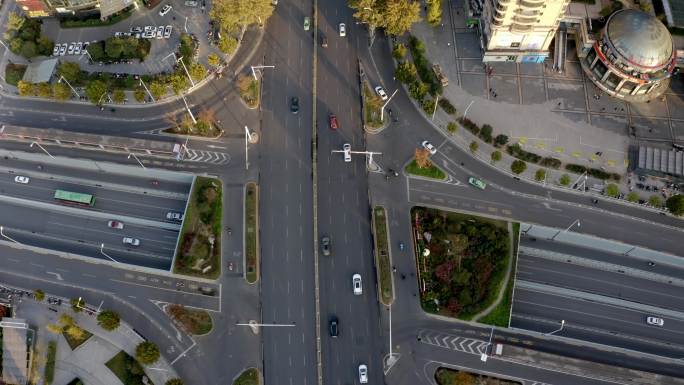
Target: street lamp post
{"type": "Point", "coordinates": [559, 329]}
{"type": "Point", "coordinates": [180, 59]}
{"type": "Point", "coordinates": [563, 231]}
{"type": "Point", "coordinates": [248, 138]}
{"type": "Point", "coordinates": [105, 254]}
{"type": "Point", "coordinates": [5, 236]}
{"type": "Point", "coordinates": [483, 356]}
{"type": "Point", "coordinates": [194, 121]}
{"type": "Point", "coordinates": [146, 89]}
{"type": "Point", "coordinates": [435, 110]}
{"type": "Point", "coordinates": [42, 148]}
{"type": "Point", "coordinates": [69, 84]}
{"type": "Point", "coordinates": [130, 154]}
{"type": "Point", "coordinates": [467, 108]}
{"type": "Point", "coordinates": [259, 68]}
{"type": "Point", "coordinates": [382, 109]}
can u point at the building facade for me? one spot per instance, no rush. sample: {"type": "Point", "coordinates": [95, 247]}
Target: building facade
{"type": "Point", "coordinates": [520, 30]}
{"type": "Point", "coordinates": [634, 57]}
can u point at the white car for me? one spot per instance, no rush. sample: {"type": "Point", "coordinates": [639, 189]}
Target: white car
{"type": "Point", "coordinates": [172, 216]}
{"type": "Point", "coordinates": [165, 9]}
{"type": "Point", "coordinates": [55, 50]}
{"type": "Point", "coordinates": [149, 34]}
{"type": "Point", "coordinates": [190, 3]}
{"type": "Point", "coordinates": [70, 50]}
{"type": "Point", "coordinates": [167, 31]}
{"type": "Point", "coordinates": [21, 179]}
{"type": "Point", "coordinates": [77, 48]}
{"type": "Point", "coordinates": [63, 49]}
{"type": "Point", "coordinates": [381, 93]}
{"type": "Point", "coordinates": [160, 32]}
{"type": "Point", "coordinates": [428, 146]}
{"type": "Point", "coordinates": [356, 282]}
{"type": "Point", "coordinates": [118, 34]}
{"type": "Point", "coordinates": [131, 241]}
{"type": "Point", "coordinates": [655, 321]}
{"type": "Point", "coordinates": [150, 28]}
{"type": "Point", "coordinates": [343, 30]}
{"type": "Point", "coordinates": [347, 152]}
{"type": "Point", "coordinates": [363, 374]}
{"type": "Point", "coordinates": [115, 225]}
{"type": "Point", "coordinates": [136, 29]}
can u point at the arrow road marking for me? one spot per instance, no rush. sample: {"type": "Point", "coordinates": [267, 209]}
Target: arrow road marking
{"type": "Point", "coordinates": [57, 275]}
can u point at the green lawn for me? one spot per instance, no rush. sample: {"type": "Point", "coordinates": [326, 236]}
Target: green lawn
{"type": "Point", "coordinates": [371, 104]}
{"type": "Point", "coordinates": [50, 362]}
{"type": "Point", "coordinates": [428, 172]}
{"type": "Point", "coordinates": [252, 232]}
{"type": "Point", "coordinates": [197, 256]}
{"type": "Point", "coordinates": [126, 368]}
{"type": "Point", "coordinates": [14, 73]}
{"type": "Point", "coordinates": [248, 377]}
{"type": "Point", "coordinates": [500, 315]}
{"type": "Point", "coordinates": [382, 254]}
{"type": "Point", "coordinates": [76, 342]}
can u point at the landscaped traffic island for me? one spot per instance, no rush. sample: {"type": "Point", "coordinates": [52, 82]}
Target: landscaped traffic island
{"type": "Point", "coordinates": [464, 263]}
{"type": "Point", "coordinates": [199, 249]}
{"type": "Point", "coordinates": [445, 376]}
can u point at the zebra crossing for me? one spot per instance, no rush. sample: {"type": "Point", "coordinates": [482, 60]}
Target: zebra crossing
{"type": "Point", "coordinates": [206, 156]}
{"type": "Point", "coordinates": [452, 342]}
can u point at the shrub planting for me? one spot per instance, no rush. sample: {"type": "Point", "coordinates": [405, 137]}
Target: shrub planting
{"type": "Point", "coordinates": [516, 151]}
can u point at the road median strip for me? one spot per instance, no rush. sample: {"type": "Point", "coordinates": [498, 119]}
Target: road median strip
{"type": "Point", "coordinates": [252, 232]}
{"type": "Point", "coordinates": [382, 255]}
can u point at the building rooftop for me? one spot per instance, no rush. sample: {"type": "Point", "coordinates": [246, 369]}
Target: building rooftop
{"type": "Point", "coordinates": [14, 352]}
{"type": "Point", "coordinates": [641, 39]}
{"type": "Point", "coordinates": [40, 72]}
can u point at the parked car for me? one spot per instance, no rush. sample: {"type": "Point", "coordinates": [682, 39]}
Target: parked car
{"type": "Point", "coordinates": [85, 46]}
{"type": "Point", "coordinates": [77, 48]}
{"type": "Point", "coordinates": [136, 29]}
{"type": "Point", "coordinates": [428, 146]}
{"type": "Point", "coordinates": [655, 321]}
{"type": "Point", "coordinates": [118, 34]}
{"type": "Point", "coordinates": [115, 225]}
{"type": "Point", "coordinates": [21, 179]}
{"type": "Point", "coordinates": [131, 241]}
{"type": "Point", "coordinates": [381, 93]}
{"type": "Point", "coordinates": [165, 9]}
{"type": "Point", "coordinates": [356, 282]}
{"type": "Point", "coordinates": [294, 105]}
{"type": "Point", "coordinates": [55, 50]}
{"type": "Point", "coordinates": [167, 31]}
{"type": "Point", "coordinates": [363, 374]}
{"type": "Point", "coordinates": [62, 49]}
{"type": "Point", "coordinates": [70, 50]}
{"type": "Point", "coordinates": [347, 152]}
{"type": "Point", "coordinates": [160, 32]}
{"type": "Point", "coordinates": [333, 121]}
{"type": "Point", "coordinates": [307, 23]}
{"type": "Point", "coordinates": [149, 34]}
{"type": "Point", "coordinates": [334, 330]}
{"type": "Point", "coordinates": [190, 3]}
{"type": "Point", "coordinates": [477, 183]}
{"type": "Point", "coordinates": [173, 216]}
{"type": "Point", "coordinates": [343, 30]}
{"type": "Point", "coordinates": [325, 245]}
{"type": "Point", "coordinates": [150, 28]}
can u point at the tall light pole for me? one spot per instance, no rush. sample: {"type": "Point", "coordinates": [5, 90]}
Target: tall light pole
{"type": "Point", "coordinates": [435, 110]}
{"type": "Point", "coordinates": [248, 138]}
{"type": "Point", "coordinates": [484, 355]}
{"type": "Point", "coordinates": [194, 121]}
{"type": "Point", "coordinates": [382, 109]}
{"type": "Point", "coordinates": [146, 89]}
{"type": "Point", "coordinates": [467, 108]}
{"type": "Point", "coordinates": [130, 154]}
{"type": "Point", "coordinates": [259, 68]}
{"type": "Point", "coordinates": [105, 254]}
{"type": "Point", "coordinates": [5, 236]}
{"type": "Point", "coordinates": [563, 231]}
{"type": "Point", "coordinates": [42, 148]}
{"type": "Point", "coordinates": [180, 59]}
{"type": "Point", "coordinates": [556, 331]}
{"type": "Point", "coordinates": [69, 84]}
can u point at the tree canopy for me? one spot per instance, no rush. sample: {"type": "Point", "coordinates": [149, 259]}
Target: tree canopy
{"type": "Point", "coordinates": [147, 353]}
{"type": "Point", "coordinates": [395, 16]}
{"type": "Point", "coordinates": [675, 204]}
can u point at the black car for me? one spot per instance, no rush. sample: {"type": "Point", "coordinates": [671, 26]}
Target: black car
{"type": "Point", "coordinates": [294, 105]}
{"type": "Point", "coordinates": [334, 331]}
{"type": "Point", "coordinates": [325, 245]}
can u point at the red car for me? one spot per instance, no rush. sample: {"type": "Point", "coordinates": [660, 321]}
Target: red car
{"type": "Point", "coordinates": [333, 122]}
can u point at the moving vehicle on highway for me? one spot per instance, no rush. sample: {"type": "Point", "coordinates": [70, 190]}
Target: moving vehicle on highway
{"type": "Point", "coordinates": [21, 179]}
{"type": "Point", "coordinates": [381, 93]}
{"type": "Point", "coordinates": [363, 374]}
{"type": "Point", "coordinates": [655, 321]}
{"type": "Point", "coordinates": [334, 331]}
{"type": "Point", "coordinates": [343, 30]}
{"type": "Point", "coordinates": [477, 183]}
{"type": "Point", "coordinates": [324, 42]}
{"type": "Point", "coordinates": [332, 119]}
{"type": "Point", "coordinates": [347, 152]}
{"type": "Point", "coordinates": [307, 23]}
{"type": "Point", "coordinates": [131, 241]}
{"type": "Point", "coordinates": [428, 146]}
{"type": "Point", "coordinates": [294, 105]}
{"type": "Point", "coordinates": [74, 198]}
{"type": "Point", "coordinates": [325, 245]}
{"type": "Point", "coordinates": [173, 216]}
{"type": "Point", "coordinates": [115, 225]}
{"type": "Point", "coordinates": [356, 282]}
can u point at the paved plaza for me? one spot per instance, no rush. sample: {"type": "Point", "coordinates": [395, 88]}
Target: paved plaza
{"type": "Point", "coordinates": [554, 114]}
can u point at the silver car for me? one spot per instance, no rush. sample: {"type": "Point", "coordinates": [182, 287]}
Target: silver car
{"type": "Point", "coordinates": [167, 31]}
{"type": "Point", "coordinates": [63, 49]}
{"type": "Point", "coordinates": [131, 241]}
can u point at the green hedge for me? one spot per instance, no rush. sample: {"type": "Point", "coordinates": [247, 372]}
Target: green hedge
{"type": "Point", "coordinates": [423, 66]}
{"type": "Point", "coordinates": [550, 162]}
{"type": "Point", "coordinates": [469, 125]}
{"type": "Point", "coordinates": [96, 21]}
{"type": "Point", "coordinates": [50, 362]}
{"type": "Point", "coordinates": [516, 151]}
{"type": "Point", "coordinates": [595, 172]}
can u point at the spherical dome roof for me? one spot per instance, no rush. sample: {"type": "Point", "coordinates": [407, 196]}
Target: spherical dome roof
{"type": "Point", "coordinates": [640, 38]}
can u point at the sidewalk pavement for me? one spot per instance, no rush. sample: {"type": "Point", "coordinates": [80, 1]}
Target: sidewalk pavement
{"type": "Point", "coordinates": [463, 138]}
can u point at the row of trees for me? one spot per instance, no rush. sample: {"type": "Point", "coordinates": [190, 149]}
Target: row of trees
{"type": "Point", "coordinates": [232, 16]}
{"type": "Point", "coordinates": [24, 37]}
{"type": "Point", "coordinates": [395, 16]}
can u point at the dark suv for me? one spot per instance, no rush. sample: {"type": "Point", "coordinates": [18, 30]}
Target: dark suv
{"type": "Point", "coordinates": [294, 105]}
{"type": "Point", "coordinates": [334, 331]}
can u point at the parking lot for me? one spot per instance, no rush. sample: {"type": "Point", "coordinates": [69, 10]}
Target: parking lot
{"type": "Point", "coordinates": [162, 28]}
{"type": "Point", "coordinates": [598, 296]}
{"type": "Point", "coordinates": [128, 218]}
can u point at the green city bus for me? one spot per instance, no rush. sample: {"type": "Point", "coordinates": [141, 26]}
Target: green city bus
{"type": "Point", "coordinates": [74, 198]}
